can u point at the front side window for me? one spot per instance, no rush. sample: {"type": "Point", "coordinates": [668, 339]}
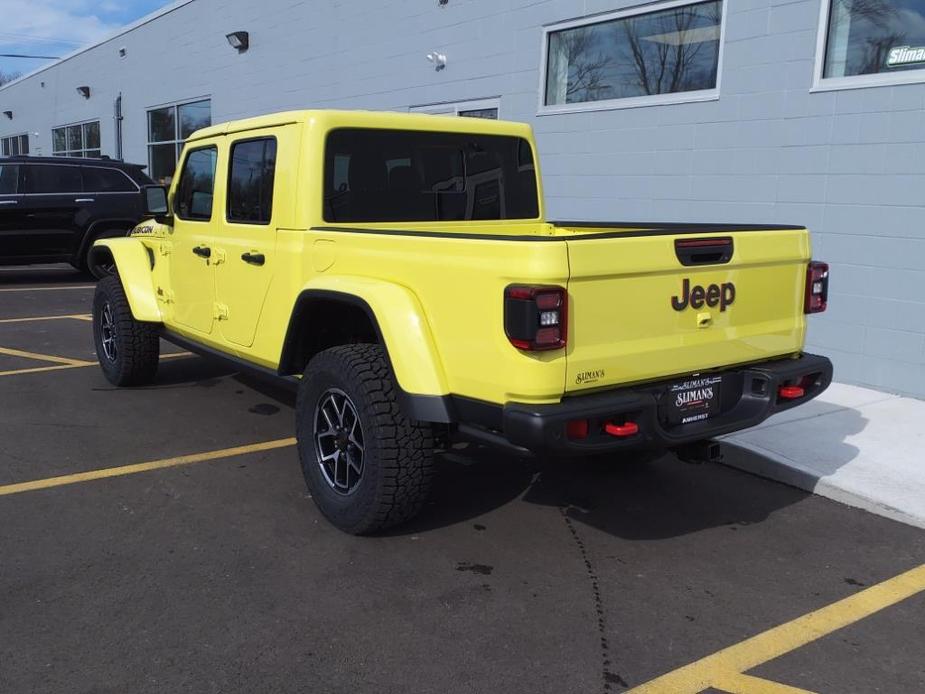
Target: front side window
{"type": "Point", "coordinates": [197, 185]}
{"type": "Point", "coordinates": [867, 37]}
{"type": "Point", "coordinates": [405, 176]}
{"type": "Point", "coordinates": [643, 54]}
{"type": "Point", "coordinates": [250, 181]}
{"type": "Point", "coordinates": [9, 179]}
{"type": "Point", "coordinates": [80, 140]}
{"type": "Point", "coordinates": [168, 128]}
{"type": "Point", "coordinates": [100, 180]}
{"type": "Point", "coordinates": [51, 178]}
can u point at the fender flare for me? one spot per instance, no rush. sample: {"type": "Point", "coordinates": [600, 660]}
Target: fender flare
{"type": "Point", "coordinates": [133, 267]}
{"type": "Point", "coordinates": [402, 328]}
{"type": "Point", "coordinates": [88, 238]}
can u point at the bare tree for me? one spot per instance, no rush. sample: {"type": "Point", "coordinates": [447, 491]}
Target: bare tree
{"type": "Point", "coordinates": [8, 77]}
{"type": "Point", "coordinates": [585, 72]}
{"type": "Point", "coordinates": [667, 65]}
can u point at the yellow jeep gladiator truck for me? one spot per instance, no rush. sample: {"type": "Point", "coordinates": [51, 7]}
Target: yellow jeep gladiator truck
{"type": "Point", "coordinates": [400, 271]}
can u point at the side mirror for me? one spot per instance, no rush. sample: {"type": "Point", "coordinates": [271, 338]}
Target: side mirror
{"type": "Point", "coordinates": [156, 202]}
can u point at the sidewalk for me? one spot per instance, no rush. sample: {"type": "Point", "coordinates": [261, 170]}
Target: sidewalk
{"type": "Point", "coordinates": [858, 446]}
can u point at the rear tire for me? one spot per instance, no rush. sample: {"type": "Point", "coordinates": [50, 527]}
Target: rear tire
{"type": "Point", "coordinates": [101, 268]}
{"type": "Point", "coordinates": [128, 350]}
{"type": "Point", "coordinates": [367, 466]}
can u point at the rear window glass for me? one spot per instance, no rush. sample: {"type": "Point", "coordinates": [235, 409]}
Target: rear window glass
{"type": "Point", "coordinates": [407, 176]}
{"type": "Point", "coordinates": [51, 178]}
{"type": "Point", "coordinates": [100, 180]}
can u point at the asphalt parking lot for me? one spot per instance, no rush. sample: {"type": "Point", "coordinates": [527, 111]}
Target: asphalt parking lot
{"type": "Point", "coordinates": [160, 539]}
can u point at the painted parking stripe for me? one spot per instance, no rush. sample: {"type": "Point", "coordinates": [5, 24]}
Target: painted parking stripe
{"type": "Point", "coordinates": [728, 665]}
{"type": "Point", "coordinates": [47, 289]}
{"type": "Point", "coordinates": [80, 365]}
{"type": "Point", "coordinates": [32, 319]}
{"type": "Point", "coordinates": [144, 467]}
{"type": "Point", "coordinates": [44, 357]}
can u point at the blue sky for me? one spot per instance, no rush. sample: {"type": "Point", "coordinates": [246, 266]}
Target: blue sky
{"type": "Point", "coordinates": [58, 27]}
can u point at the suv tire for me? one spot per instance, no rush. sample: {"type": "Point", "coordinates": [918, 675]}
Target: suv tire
{"type": "Point", "coordinates": [367, 466]}
{"type": "Point", "coordinates": [128, 350]}
{"type": "Point", "coordinates": [99, 270]}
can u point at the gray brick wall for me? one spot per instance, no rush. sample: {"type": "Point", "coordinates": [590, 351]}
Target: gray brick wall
{"type": "Point", "coordinates": [849, 164]}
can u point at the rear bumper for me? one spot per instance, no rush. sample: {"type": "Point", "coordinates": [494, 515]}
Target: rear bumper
{"type": "Point", "coordinates": [750, 395]}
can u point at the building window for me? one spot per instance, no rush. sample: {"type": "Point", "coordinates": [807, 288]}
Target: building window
{"type": "Point", "coordinates": [638, 57]}
{"type": "Point", "coordinates": [250, 181]}
{"type": "Point", "coordinates": [869, 42]}
{"type": "Point", "coordinates": [14, 145]}
{"type": "Point", "coordinates": [78, 140]}
{"type": "Point", "coordinates": [476, 108]}
{"type": "Point", "coordinates": [168, 128]}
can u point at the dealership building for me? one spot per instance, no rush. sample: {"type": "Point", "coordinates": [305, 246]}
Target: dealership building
{"type": "Point", "coordinates": [755, 111]}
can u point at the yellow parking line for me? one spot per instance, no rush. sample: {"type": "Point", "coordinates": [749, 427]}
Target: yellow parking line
{"type": "Point", "coordinates": [728, 664]}
{"type": "Point", "coordinates": [44, 357]}
{"type": "Point", "coordinates": [47, 289]}
{"type": "Point", "coordinates": [82, 364]}
{"type": "Point", "coordinates": [77, 316]}
{"type": "Point", "coordinates": [143, 467]}
{"type": "Point", "coordinates": [738, 683]}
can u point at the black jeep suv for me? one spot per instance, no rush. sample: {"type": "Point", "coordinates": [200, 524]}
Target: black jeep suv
{"type": "Point", "coordinates": [52, 209]}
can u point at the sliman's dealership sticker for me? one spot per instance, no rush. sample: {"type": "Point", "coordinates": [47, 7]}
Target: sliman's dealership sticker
{"type": "Point", "coordinates": [905, 55]}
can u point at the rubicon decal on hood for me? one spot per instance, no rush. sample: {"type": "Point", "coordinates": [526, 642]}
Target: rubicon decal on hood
{"type": "Point", "coordinates": [721, 295]}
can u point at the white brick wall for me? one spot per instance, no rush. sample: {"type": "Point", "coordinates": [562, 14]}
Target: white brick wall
{"type": "Point", "coordinates": [848, 164]}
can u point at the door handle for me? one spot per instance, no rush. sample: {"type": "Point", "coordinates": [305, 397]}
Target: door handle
{"type": "Point", "coordinates": [254, 258]}
{"type": "Point", "coordinates": [9, 202]}
{"type": "Point", "coordinates": [84, 200]}
{"type": "Point", "coordinates": [203, 251]}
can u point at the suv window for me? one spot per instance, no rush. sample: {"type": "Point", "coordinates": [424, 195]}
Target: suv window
{"type": "Point", "coordinates": [51, 178]}
{"type": "Point", "coordinates": [102, 180]}
{"type": "Point", "coordinates": [376, 175]}
{"type": "Point", "coordinates": [250, 182]}
{"type": "Point", "coordinates": [197, 184]}
{"type": "Point", "coordinates": [9, 179]}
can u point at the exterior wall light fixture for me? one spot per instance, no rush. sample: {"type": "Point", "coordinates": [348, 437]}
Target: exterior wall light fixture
{"type": "Point", "coordinates": [8, 114]}
{"type": "Point", "coordinates": [438, 59]}
{"type": "Point", "coordinates": [239, 40]}
{"type": "Point", "coordinates": [84, 91]}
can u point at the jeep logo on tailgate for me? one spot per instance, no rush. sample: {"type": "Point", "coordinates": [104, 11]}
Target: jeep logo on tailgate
{"type": "Point", "coordinates": [721, 295]}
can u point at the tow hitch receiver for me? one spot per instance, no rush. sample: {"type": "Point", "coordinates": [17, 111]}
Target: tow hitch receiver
{"type": "Point", "coordinates": [699, 452]}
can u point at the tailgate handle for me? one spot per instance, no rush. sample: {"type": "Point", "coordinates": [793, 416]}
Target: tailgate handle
{"type": "Point", "coordinates": [710, 251]}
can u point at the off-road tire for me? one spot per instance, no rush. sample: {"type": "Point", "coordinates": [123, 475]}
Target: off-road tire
{"type": "Point", "coordinates": [137, 345]}
{"type": "Point", "coordinates": [397, 456]}
{"type": "Point", "coordinates": [99, 270]}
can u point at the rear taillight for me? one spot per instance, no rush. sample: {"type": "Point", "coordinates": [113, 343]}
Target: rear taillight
{"type": "Point", "coordinates": [817, 287]}
{"type": "Point", "coordinates": [535, 317]}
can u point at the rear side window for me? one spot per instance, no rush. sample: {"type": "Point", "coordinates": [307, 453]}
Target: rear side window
{"type": "Point", "coordinates": [51, 178]}
{"type": "Point", "coordinates": [9, 179]}
{"type": "Point", "coordinates": [197, 185]}
{"type": "Point", "coordinates": [403, 175]}
{"type": "Point", "coordinates": [100, 180]}
{"type": "Point", "coordinates": [250, 181]}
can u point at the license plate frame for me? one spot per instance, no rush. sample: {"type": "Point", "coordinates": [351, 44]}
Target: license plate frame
{"type": "Point", "coordinates": [694, 399]}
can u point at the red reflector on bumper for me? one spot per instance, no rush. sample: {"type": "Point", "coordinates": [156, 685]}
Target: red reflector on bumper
{"type": "Point", "coordinates": [621, 430]}
{"type": "Point", "coordinates": [577, 429]}
{"type": "Point", "coordinates": [791, 392]}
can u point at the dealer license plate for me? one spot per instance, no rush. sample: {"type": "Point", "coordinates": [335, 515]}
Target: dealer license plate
{"type": "Point", "coordinates": [693, 400]}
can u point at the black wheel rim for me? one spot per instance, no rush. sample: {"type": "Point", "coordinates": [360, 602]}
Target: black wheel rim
{"type": "Point", "coordinates": [108, 333]}
{"type": "Point", "coordinates": [338, 436]}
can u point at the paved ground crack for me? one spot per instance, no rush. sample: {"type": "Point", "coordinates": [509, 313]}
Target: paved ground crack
{"type": "Point", "coordinates": [609, 677]}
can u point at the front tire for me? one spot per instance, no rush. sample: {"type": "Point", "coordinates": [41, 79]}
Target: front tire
{"type": "Point", "coordinates": [128, 350]}
{"type": "Point", "coordinates": [367, 466]}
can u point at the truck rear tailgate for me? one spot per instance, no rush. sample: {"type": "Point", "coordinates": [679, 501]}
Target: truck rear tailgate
{"type": "Point", "coordinates": [638, 313]}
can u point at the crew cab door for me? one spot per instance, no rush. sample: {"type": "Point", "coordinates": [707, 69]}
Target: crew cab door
{"type": "Point", "coordinates": [192, 252]}
{"type": "Point", "coordinates": [253, 210]}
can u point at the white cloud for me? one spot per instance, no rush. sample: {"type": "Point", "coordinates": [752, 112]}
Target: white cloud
{"type": "Point", "coordinates": [75, 21]}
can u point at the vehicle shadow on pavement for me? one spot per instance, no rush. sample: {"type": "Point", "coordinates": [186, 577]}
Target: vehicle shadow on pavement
{"type": "Point", "coordinates": [44, 275]}
{"type": "Point", "coordinates": [634, 499]}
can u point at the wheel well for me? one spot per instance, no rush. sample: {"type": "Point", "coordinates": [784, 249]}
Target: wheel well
{"type": "Point", "coordinates": [322, 322]}
{"type": "Point", "coordinates": [100, 230]}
